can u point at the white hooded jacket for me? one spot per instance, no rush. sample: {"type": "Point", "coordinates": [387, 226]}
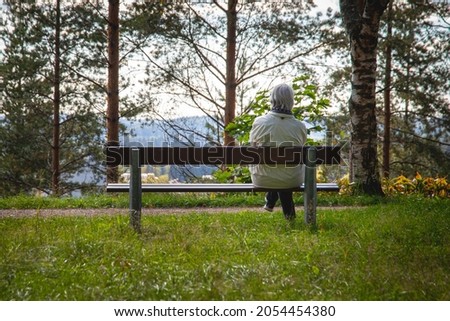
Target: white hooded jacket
{"type": "Point", "coordinates": [277, 129]}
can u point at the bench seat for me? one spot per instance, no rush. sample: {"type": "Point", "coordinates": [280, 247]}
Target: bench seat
{"type": "Point", "coordinates": [135, 157]}
{"type": "Point", "coordinates": [209, 187]}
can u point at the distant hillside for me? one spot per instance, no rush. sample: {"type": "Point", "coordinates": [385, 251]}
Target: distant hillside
{"type": "Point", "coordinates": [160, 133]}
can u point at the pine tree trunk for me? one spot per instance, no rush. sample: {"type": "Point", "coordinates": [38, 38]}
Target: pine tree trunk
{"type": "Point", "coordinates": [230, 82]}
{"type": "Point", "coordinates": [387, 98]}
{"type": "Point", "coordinates": [112, 112]}
{"type": "Point", "coordinates": [362, 19]}
{"type": "Point", "coordinates": [56, 105]}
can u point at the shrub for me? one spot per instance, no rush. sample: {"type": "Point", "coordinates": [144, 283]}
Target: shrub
{"type": "Point", "coordinates": [428, 186]}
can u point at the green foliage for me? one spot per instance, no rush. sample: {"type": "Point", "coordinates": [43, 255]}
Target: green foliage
{"type": "Point", "coordinates": [308, 106]}
{"type": "Point", "coordinates": [27, 86]}
{"type": "Point", "coordinates": [168, 200]}
{"type": "Point", "coordinates": [243, 256]}
{"type": "Point", "coordinates": [240, 127]}
{"type": "Point", "coordinates": [437, 187]}
{"type": "Point", "coordinates": [233, 174]}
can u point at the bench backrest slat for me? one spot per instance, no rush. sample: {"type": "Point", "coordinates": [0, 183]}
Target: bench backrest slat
{"type": "Point", "coordinates": [221, 155]}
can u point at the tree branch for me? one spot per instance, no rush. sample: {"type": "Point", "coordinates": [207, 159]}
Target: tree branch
{"type": "Point", "coordinates": [178, 79]}
{"type": "Point", "coordinates": [242, 79]}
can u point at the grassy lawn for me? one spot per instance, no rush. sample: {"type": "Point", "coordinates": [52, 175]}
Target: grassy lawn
{"type": "Point", "coordinates": [185, 200]}
{"type": "Point", "coordinates": [393, 250]}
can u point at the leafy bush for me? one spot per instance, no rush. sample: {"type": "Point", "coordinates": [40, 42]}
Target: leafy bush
{"type": "Point", "coordinates": [233, 174]}
{"type": "Point", "coordinates": [428, 186]}
{"type": "Point", "coordinates": [308, 106]}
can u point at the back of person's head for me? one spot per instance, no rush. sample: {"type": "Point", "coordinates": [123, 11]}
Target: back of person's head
{"type": "Point", "coordinates": [282, 97]}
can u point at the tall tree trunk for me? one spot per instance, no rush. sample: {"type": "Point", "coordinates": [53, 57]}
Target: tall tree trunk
{"type": "Point", "coordinates": [362, 20]}
{"type": "Point", "coordinates": [387, 97]}
{"type": "Point", "coordinates": [112, 112]}
{"type": "Point", "coordinates": [230, 82]}
{"type": "Point", "coordinates": [409, 65]}
{"type": "Point", "coordinates": [56, 105]}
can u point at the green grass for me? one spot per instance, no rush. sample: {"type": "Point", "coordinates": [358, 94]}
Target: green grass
{"type": "Point", "coordinates": [185, 200]}
{"type": "Point", "coordinates": [396, 250]}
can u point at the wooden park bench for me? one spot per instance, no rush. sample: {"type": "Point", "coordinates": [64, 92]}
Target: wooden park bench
{"type": "Point", "coordinates": [135, 157]}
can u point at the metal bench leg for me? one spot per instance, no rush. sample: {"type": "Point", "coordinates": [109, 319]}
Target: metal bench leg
{"type": "Point", "coordinates": [310, 194]}
{"type": "Point", "coordinates": [135, 191]}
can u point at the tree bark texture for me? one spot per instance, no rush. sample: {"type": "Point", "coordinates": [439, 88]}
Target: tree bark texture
{"type": "Point", "coordinates": [56, 105]}
{"type": "Point", "coordinates": [362, 20]}
{"type": "Point", "coordinates": [112, 111]}
{"type": "Point", "coordinates": [230, 82]}
{"type": "Point", "coordinates": [387, 98]}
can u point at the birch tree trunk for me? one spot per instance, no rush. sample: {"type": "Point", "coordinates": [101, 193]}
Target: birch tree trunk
{"type": "Point", "coordinates": [362, 19]}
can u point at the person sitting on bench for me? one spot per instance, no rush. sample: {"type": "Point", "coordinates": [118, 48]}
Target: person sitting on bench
{"type": "Point", "coordinates": [277, 128]}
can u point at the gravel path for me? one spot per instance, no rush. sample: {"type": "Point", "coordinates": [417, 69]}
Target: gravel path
{"type": "Point", "coordinates": [145, 211]}
{"type": "Point", "coordinates": [118, 211]}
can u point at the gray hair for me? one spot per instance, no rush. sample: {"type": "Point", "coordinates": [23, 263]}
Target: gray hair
{"type": "Point", "coordinates": [282, 97]}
